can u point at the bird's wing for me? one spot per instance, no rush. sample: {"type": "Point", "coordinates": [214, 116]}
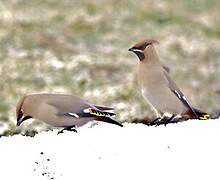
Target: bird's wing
{"type": "Point", "coordinates": [174, 88]}
{"type": "Point", "coordinates": [77, 108]}
{"type": "Point", "coordinates": [105, 109]}
{"type": "Point", "coordinates": [109, 120]}
{"type": "Point", "coordinates": [87, 113]}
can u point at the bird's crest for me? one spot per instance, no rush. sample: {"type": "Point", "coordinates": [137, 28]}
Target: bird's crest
{"type": "Point", "coordinates": [143, 44]}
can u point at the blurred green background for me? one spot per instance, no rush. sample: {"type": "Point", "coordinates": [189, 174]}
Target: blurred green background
{"type": "Point", "coordinates": [80, 47]}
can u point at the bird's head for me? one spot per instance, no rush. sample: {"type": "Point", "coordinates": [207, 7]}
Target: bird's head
{"type": "Point", "coordinates": [22, 112]}
{"type": "Point", "coordinates": [141, 49]}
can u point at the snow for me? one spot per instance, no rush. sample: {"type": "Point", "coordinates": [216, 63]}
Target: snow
{"type": "Point", "coordinates": [188, 150]}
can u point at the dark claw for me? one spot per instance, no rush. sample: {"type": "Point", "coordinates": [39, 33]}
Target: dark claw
{"type": "Point", "coordinates": [70, 128]}
{"type": "Point", "coordinates": [168, 120]}
{"type": "Point", "coordinates": [59, 132]}
{"type": "Point", "coordinates": [172, 120]}
{"type": "Point", "coordinates": [164, 121]}
{"type": "Point", "coordinates": [154, 122]}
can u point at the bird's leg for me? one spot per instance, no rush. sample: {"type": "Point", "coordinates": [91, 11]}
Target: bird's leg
{"type": "Point", "coordinates": [168, 120]}
{"type": "Point", "coordinates": [155, 121]}
{"type": "Point", "coordinates": [165, 120]}
{"type": "Point", "coordinates": [69, 128]}
{"type": "Point", "coordinates": [172, 119]}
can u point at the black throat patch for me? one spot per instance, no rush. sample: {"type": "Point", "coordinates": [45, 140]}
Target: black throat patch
{"type": "Point", "coordinates": [140, 55]}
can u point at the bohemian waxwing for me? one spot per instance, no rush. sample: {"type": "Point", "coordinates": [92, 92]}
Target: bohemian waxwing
{"type": "Point", "coordinates": [59, 110]}
{"type": "Point", "coordinates": [160, 91]}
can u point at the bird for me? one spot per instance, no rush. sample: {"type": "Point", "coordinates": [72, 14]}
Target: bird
{"type": "Point", "coordinates": [158, 89]}
{"type": "Point", "coordinates": [62, 111]}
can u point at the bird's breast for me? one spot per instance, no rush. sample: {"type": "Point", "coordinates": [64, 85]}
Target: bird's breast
{"type": "Point", "coordinates": [162, 99]}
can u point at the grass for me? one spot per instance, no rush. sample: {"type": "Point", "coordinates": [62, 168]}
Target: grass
{"type": "Point", "coordinates": [80, 47]}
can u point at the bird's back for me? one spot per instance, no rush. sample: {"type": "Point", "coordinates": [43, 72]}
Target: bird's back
{"type": "Point", "coordinates": [53, 109]}
{"type": "Point", "coordinates": [67, 103]}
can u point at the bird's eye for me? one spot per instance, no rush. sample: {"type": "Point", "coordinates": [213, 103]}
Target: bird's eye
{"type": "Point", "coordinates": [143, 46]}
{"type": "Point", "coordinates": [147, 44]}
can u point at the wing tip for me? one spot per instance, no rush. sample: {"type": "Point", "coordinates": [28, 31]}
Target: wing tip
{"type": "Point", "coordinates": [109, 120]}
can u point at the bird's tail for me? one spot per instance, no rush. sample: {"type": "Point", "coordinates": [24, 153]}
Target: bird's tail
{"type": "Point", "coordinates": [201, 115]}
{"type": "Point", "coordinates": [108, 120]}
{"type": "Point", "coordinates": [196, 113]}
{"type": "Point", "coordinates": [102, 115]}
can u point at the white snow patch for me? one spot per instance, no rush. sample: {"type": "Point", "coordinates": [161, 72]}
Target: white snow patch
{"type": "Point", "coordinates": [188, 150]}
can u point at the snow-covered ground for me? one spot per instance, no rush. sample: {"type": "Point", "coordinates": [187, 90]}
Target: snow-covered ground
{"type": "Point", "coordinates": [188, 150]}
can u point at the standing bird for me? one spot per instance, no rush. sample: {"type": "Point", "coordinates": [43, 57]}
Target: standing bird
{"type": "Point", "coordinates": [61, 110]}
{"type": "Point", "coordinates": [159, 89]}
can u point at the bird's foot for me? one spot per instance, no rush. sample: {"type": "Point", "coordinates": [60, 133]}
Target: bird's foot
{"type": "Point", "coordinates": [69, 128]}
{"type": "Point", "coordinates": [168, 120]}
{"type": "Point", "coordinates": [162, 121]}
{"type": "Point", "coordinates": [155, 121]}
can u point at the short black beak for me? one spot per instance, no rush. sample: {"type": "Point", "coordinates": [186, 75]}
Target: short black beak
{"type": "Point", "coordinates": [20, 120]}
{"type": "Point", "coordinates": [131, 49]}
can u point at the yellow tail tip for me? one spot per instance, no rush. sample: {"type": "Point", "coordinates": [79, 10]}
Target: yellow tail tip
{"type": "Point", "coordinates": [204, 117]}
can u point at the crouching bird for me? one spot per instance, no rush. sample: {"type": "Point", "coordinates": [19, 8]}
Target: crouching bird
{"type": "Point", "coordinates": [158, 89]}
{"type": "Point", "coordinates": [59, 110]}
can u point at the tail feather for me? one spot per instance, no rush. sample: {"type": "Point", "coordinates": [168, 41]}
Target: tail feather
{"type": "Point", "coordinates": [200, 114]}
{"type": "Point", "coordinates": [109, 120]}
{"type": "Point", "coordinates": [101, 115]}
{"type": "Point", "coordinates": [104, 108]}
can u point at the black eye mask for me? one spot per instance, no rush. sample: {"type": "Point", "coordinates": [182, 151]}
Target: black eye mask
{"type": "Point", "coordinates": [20, 115]}
{"type": "Point", "coordinates": [143, 46]}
